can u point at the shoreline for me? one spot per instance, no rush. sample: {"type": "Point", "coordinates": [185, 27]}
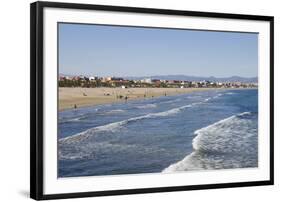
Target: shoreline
{"type": "Point", "coordinates": [70, 98]}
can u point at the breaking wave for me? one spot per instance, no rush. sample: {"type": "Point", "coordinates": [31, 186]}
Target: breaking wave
{"type": "Point", "coordinates": [78, 145]}
{"type": "Point", "coordinates": [207, 99]}
{"type": "Point", "coordinates": [229, 143]}
{"type": "Point", "coordinates": [68, 120]}
{"type": "Point", "coordinates": [116, 125]}
{"type": "Point", "coordinates": [217, 96]}
{"type": "Point", "coordinates": [115, 111]}
{"type": "Point", "coordinates": [230, 93]}
{"type": "Point", "coordinates": [147, 106]}
{"type": "Point", "coordinates": [89, 150]}
{"type": "Point", "coordinates": [77, 117]}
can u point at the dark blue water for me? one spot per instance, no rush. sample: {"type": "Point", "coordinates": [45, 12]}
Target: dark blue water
{"type": "Point", "coordinates": [161, 134]}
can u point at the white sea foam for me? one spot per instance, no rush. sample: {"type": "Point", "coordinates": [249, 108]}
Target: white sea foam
{"type": "Point", "coordinates": [68, 120]}
{"type": "Point", "coordinates": [88, 150]}
{"type": "Point", "coordinates": [75, 145]}
{"type": "Point", "coordinates": [85, 134]}
{"type": "Point", "coordinates": [147, 106]}
{"type": "Point", "coordinates": [217, 96]}
{"type": "Point", "coordinates": [214, 97]}
{"type": "Point", "coordinates": [229, 143]}
{"type": "Point", "coordinates": [116, 125]}
{"type": "Point", "coordinates": [171, 101]}
{"type": "Point", "coordinates": [207, 99]}
{"type": "Point", "coordinates": [114, 111]}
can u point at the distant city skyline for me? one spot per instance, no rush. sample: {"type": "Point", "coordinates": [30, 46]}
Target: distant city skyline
{"type": "Point", "coordinates": [134, 52]}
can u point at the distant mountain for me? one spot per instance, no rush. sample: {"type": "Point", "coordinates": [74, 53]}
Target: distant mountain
{"type": "Point", "coordinates": [197, 78]}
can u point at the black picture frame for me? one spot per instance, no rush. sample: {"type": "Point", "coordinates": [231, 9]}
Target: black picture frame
{"type": "Point", "coordinates": [36, 99]}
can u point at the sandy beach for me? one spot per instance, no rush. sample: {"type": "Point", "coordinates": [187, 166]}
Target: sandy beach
{"type": "Point", "coordinates": [81, 97]}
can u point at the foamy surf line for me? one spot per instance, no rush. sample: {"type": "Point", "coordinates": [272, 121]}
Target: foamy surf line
{"type": "Point", "coordinates": [147, 106]}
{"type": "Point", "coordinates": [228, 143]}
{"type": "Point", "coordinates": [76, 146]}
{"type": "Point", "coordinates": [117, 125]}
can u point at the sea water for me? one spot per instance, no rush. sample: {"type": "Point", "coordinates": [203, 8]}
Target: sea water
{"type": "Point", "coordinates": [216, 129]}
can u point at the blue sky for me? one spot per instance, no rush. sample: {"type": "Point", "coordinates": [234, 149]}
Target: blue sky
{"type": "Point", "coordinates": [129, 51]}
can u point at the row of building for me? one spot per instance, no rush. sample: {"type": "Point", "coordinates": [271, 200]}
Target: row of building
{"type": "Point", "coordinates": [94, 81]}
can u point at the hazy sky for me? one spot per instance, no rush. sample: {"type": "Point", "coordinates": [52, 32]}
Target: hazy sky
{"type": "Point", "coordinates": [129, 51]}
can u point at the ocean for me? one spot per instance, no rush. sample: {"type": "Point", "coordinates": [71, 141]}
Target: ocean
{"type": "Point", "coordinates": [216, 129]}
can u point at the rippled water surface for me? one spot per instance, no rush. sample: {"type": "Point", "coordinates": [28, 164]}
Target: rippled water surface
{"type": "Point", "coordinates": [202, 130]}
